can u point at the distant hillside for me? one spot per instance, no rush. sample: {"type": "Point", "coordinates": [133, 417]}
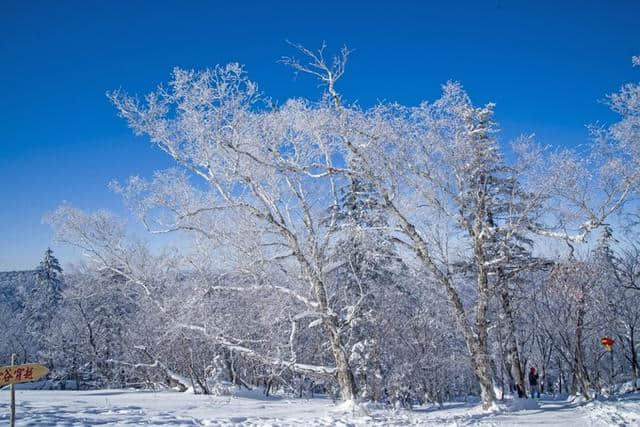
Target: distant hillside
{"type": "Point", "coordinates": [14, 285]}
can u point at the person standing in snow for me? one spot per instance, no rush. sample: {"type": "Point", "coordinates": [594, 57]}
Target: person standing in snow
{"type": "Point", "coordinates": [533, 382]}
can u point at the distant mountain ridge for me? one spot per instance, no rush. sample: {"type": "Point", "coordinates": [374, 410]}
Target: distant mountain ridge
{"type": "Point", "coordinates": [14, 285]}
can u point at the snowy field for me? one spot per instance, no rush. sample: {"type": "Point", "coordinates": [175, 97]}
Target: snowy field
{"type": "Point", "coordinates": [125, 407]}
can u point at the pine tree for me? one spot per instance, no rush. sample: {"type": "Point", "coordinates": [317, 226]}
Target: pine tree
{"type": "Point", "coordinates": [497, 213]}
{"type": "Point", "coordinates": [368, 268]}
{"type": "Point", "coordinates": [47, 294]}
{"type": "Point", "coordinates": [603, 252]}
{"type": "Point", "coordinates": [49, 279]}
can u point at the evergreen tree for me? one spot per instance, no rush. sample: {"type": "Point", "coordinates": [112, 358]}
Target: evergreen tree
{"type": "Point", "coordinates": [368, 271]}
{"type": "Point", "coordinates": [49, 279]}
{"type": "Point", "coordinates": [47, 294]}
{"type": "Point", "coordinates": [603, 252]}
{"type": "Point", "coordinates": [497, 214]}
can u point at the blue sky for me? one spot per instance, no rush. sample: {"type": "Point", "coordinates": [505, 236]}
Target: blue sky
{"type": "Point", "coordinates": [545, 64]}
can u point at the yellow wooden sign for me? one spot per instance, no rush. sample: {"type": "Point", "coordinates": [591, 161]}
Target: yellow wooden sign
{"type": "Point", "coordinates": [17, 374]}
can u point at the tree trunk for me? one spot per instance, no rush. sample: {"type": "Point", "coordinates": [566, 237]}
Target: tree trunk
{"type": "Point", "coordinates": [482, 370]}
{"type": "Point", "coordinates": [560, 375]}
{"type": "Point", "coordinates": [344, 374]}
{"type": "Point", "coordinates": [579, 370]}
{"type": "Point", "coordinates": [634, 359]}
{"type": "Point", "coordinates": [476, 341]}
{"type": "Point", "coordinates": [513, 356]}
{"type": "Point", "coordinates": [482, 363]}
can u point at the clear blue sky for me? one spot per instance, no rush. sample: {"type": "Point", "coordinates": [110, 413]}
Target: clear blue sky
{"type": "Point", "coordinates": [545, 64]}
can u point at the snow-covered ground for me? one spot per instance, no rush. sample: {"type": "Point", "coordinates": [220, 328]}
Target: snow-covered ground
{"type": "Point", "coordinates": [125, 407]}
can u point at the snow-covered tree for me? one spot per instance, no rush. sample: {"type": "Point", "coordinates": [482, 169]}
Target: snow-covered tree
{"type": "Point", "coordinates": [366, 272]}
{"type": "Point", "coordinates": [46, 296]}
{"type": "Point", "coordinates": [49, 279]}
{"type": "Point", "coordinates": [440, 185]}
{"type": "Point", "coordinates": [395, 252]}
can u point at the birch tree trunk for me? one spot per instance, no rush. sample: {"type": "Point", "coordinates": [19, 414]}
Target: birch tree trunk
{"type": "Point", "coordinates": [476, 341]}
{"type": "Point", "coordinates": [634, 359]}
{"type": "Point", "coordinates": [482, 365]}
{"type": "Point", "coordinates": [513, 357]}
{"type": "Point", "coordinates": [579, 369]}
{"type": "Point", "coordinates": [344, 373]}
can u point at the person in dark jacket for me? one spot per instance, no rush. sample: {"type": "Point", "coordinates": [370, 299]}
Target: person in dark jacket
{"type": "Point", "coordinates": [533, 383]}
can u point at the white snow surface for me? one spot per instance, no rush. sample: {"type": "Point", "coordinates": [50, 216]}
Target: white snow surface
{"type": "Point", "coordinates": [139, 408]}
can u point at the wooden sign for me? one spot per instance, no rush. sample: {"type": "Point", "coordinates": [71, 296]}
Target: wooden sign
{"type": "Point", "coordinates": [21, 373]}
{"type": "Point", "coordinates": [16, 374]}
